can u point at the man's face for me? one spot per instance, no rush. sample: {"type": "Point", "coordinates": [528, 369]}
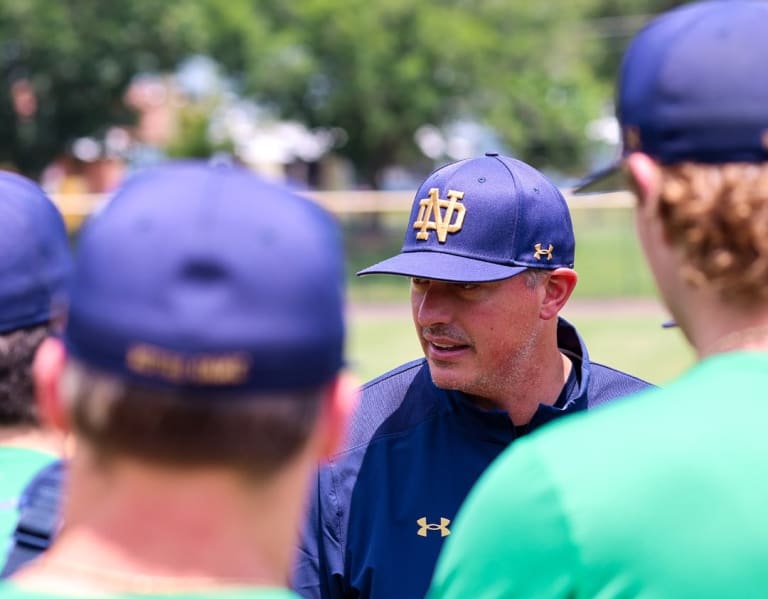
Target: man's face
{"type": "Point", "coordinates": [478, 338]}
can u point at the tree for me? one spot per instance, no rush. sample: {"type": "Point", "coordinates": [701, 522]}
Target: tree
{"type": "Point", "coordinates": [380, 70]}
{"type": "Point", "coordinates": [614, 22]}
{"type": "Point", "coordinates": [375, 70]}
{"type": "Point", "coordinates": [64, 66]}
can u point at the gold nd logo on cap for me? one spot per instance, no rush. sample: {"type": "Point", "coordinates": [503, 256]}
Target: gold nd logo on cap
{"type": "Point", "coordinates": [436, 214]}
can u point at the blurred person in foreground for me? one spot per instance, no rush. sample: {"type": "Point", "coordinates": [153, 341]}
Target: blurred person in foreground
{"type": "Point", "coordinates": [200, 375]}
{"type": "Point", "coordinates": [489, 248]}
{"type": "Point", "coordinates": [35, 263]}
{"type": "Point", "coordinates": [663, 495]}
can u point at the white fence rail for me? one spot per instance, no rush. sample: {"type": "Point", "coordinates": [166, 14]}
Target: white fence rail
{"type": "Point", "coordinates": [75, 207]}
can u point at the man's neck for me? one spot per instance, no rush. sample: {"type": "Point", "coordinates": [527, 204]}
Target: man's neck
{"type": "Point", "coordinates": [739, 334]}
{"type": "Point", "coordinates": [536, 380]}
{"type": "Point", "coordinates": [171, 531]}
{"type": "Point", "coordinates": [713, 327]}
{"type": "Point", "coordinates": [545, 387]}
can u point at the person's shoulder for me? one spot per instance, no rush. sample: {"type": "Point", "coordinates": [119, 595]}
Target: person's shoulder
{"type": "Point", "coordinates": [31, 455]}
{"type": "Point", "coordinates": [9, 590]}
{"type": "Point", "coordinates": [219, 593]}
{"type": "Point", "coordinates": [607, 383]}
{"type": "Point", "coordinates": [380, 398]}
{"type": "Point", "coordinates": [648, 429]}
{"type": "Point", "coordinates": [20, 465]}
{"type": "Point", "coordinates": [395, 380]}
{"type": "Point", "coordinates": [604, 440]}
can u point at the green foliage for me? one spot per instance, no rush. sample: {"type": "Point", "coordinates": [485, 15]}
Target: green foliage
{"type": "Point", "coordinates": [614, 22]}
{"type": "Point", "coordinates": [536, 72]}
{"type": "Point", "coordinates": [380, 70]}
{"type": "Point", "coordinates": [78, 56]}
{"type": "Point", "coordinates": [192, 139]}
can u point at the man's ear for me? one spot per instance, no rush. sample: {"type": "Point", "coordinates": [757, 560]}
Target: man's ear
{"type": "Point", "coordinates": [645, 179]}
{"type": "Point", "coordinates": [47, 369]}
{"type": "Point", "coordinates": [557, 289]}
{"type": "Point", "coordinates": [342, 400]}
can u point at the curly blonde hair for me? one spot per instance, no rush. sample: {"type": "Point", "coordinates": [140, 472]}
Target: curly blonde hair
{"type": "Point", "coordinates": [718, 215]}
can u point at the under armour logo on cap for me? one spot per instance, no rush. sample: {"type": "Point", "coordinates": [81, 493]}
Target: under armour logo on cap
{"type": "Point", "coordinates": [543, 252]}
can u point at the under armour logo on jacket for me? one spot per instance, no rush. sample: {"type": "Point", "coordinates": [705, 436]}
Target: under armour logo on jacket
{"type": "Point", "coordinates": [424, 527]}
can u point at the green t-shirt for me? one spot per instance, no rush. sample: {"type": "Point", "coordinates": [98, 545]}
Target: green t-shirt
{"type": "Point", "coordinates": [10, 591]}
{"type": "Point", "coordinates": [17, 467]}
{"type": "Point", "coordinates": [662, 495]}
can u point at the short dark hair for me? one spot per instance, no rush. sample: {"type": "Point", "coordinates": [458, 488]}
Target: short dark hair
{"type": "Point", "coordinates": [17, 397]}
{"type": "Point", "coordinates": [253, 433]}
{"type": "Point", "coordinates": [534, 276]}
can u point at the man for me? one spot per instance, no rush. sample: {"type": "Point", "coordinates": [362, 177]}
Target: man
{"type": "Point", "coordinates": [663, 495]}
{"type": "Point", "coordinates": [490, 249]}
{"type": "Point", "coordinates": [34, 266]}
{"type": "Point", "coordinates": [200, 375]}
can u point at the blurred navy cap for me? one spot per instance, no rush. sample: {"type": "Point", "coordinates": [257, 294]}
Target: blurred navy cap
{"type": "Point", "coordinates": [693, 87]}
{"type": "Point", "coordinates": [35, 259]}
{"type": "Point", "coordinates": [483, 219]}
{"type": "Point", "coordinates": [208, 278]}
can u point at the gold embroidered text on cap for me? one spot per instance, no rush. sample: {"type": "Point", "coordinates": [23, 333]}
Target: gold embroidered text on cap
{"type": "Point", "coordinates": [432, 218]}
{"type": "Point", "coordinates": [203, 369]}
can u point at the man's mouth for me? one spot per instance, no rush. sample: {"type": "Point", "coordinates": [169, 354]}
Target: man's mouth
{"type": "Point", "coordinates": [447, 344]}
{"type": "Point", "coordinates": [442, 347]}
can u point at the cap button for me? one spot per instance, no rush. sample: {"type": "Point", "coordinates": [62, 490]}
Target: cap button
{"type": "Point", "coordinates": [491, 154]}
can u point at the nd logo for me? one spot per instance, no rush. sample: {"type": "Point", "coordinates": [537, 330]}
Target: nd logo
{"type": "Point", "coordinates": [436, 214]}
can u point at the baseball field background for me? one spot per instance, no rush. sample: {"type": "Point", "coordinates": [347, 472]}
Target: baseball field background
{"type": "Point", "coordinates": [614, 307]}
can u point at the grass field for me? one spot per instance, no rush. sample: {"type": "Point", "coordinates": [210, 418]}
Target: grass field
{"type": "Point", "coordinates": [623, 334]}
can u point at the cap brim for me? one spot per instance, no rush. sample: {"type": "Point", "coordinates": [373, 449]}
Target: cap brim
{"type": "Point", "coordinates": [608, 179]}
{"type": "Point", "coordinates": [442, 267]}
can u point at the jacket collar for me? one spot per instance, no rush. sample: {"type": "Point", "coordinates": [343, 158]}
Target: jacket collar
{"type": "Point", "coordinates": [495, 424]}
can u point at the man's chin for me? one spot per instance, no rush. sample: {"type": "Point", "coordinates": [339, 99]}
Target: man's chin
{"type": "Point", "coordinates": [447, 378]}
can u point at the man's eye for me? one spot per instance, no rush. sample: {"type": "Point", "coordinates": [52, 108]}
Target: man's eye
{"type": "Point", "coordinates": [417, 281]}
{"type": "Point", "coordinates": [467, 285]}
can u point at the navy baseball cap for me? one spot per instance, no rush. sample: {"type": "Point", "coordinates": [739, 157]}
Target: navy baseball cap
{"type": "Point", "coordinates": [483, 219]}
{"type": "Point", "coordinates": [35, 260]}
{"type": "Point", "coordinates": [693, 86]}
{"type": "Point", "coordinates": [208, 278]}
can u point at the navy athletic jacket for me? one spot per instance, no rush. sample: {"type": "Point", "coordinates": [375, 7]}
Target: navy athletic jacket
{"type": "Point", "coordinates": [383, 507]}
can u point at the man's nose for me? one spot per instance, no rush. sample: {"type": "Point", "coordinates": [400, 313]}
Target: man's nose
{"type": "Point", "coordinates": [433, 304]}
